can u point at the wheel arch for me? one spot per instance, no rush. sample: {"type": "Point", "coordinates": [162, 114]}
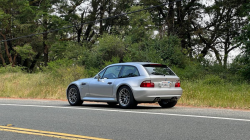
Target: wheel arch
{"type": "Point", "coordinates": [118, 88]}
{"type": "Point", "coordinates": [72, 84]}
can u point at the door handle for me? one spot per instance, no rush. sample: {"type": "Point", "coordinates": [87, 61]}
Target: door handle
{"type": "Point", "coordinates": [83, 83]}
{"type": "Point", "coordinates": [109, 83]}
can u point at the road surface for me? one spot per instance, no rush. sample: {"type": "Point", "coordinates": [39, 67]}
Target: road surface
{"type": "Point", "coordinates": [53, 120]}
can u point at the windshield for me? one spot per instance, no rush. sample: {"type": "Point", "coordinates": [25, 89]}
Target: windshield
{"type": "Point", "coordinates": [158, 69]}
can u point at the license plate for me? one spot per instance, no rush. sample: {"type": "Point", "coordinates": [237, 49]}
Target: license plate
{"type": "Point", "coordinates": [166, 84]}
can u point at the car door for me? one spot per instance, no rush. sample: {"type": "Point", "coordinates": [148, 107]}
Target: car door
{"type": "Point", "coordinates": [104, 86]}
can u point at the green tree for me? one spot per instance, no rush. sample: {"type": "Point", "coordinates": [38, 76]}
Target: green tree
{"type": "Point", "coordinates": [177, 18]}
{"type": "Point", "coordinates": [243, 60]}
{"type": "Point", "coordinates": [225, 22]}
{"type": "Point", "coordinates": [16, 18]}
{"type": "Point", "coordinates": [83, 13]}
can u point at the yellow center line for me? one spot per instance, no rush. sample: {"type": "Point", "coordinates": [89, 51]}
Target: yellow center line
{"type": "Point", "coordinates": [48, 133]}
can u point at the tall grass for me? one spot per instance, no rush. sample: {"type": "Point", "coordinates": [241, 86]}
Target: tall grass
{"type": "Point", "coordinates": [47, 85]}
{"type": "Point", "coordinates": [223, 94]}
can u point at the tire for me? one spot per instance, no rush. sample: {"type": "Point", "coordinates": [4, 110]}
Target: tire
{"type": "Point", "coordinates": [125, 97]}
{"type": "Point", "coordinates": [112, 103]}
{"type": "Point", "coordinates": [167, 103]}
{"type": "Point", "coordinates": [73, 96]}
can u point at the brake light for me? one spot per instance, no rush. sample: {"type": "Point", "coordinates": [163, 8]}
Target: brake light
{"type": "Point", "coordinates": [147, 83]}
{"type": "Point", "coordinates": [178, 83]}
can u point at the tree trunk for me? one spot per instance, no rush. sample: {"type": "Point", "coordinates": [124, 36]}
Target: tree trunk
{"type": "Point", "coordinates": [33, 63]}
{"type": "Point", "coordinates": [14, 60]}
{"type": "Point", "coordinates": [45, 49]}
{"type": "Point", "coordinates": [217, 54]}
{"type": "Point", "coordinates": [1, 56]}
{"type": "Point", "coordinates": [45, 38]}
{"type": "Point", "coordinates": [170, 18]}
{"type": "Point", "coordinates": [79, 34]}
{"type": "Point", "coordinates": [6, 48]}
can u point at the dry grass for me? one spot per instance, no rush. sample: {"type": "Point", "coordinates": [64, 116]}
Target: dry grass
{"type": "Point", "coordinates": [23, 85]}
{"type": "Point", "coordinates": [49, 85]}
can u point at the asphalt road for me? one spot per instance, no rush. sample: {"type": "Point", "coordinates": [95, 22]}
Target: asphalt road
{"type": "Point", "coordinates": [50, 120]}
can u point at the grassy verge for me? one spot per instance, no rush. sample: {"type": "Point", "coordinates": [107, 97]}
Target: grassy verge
{"type": "Point", "coordinates": [225, 95]}
{"type": "Point", "coordinates": [40, 85]}
{"type": "Point", "coordinates": [53, 85]}
{"type": "Point", "coordinates": [46, 85]}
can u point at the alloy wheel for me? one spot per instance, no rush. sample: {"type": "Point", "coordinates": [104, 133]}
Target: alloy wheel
{"type": "Point", "coordinates": [72, 95]}
{"type": "Point", "coordinates": [124, 97]}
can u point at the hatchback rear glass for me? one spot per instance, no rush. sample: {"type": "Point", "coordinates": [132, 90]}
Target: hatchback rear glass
{"type": "Point", "coordinates": [158, 69]}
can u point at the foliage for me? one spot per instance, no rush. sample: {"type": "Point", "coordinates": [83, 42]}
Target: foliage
{"type": "Point", "coordinates": [212, 80]}
{"type": "Point", "coordinates": [67, 50]}
{"type": "Point", "coordinates": [241, 66]}
{"type": "Point", "coordinates": [161, 34]}
{"type": "Point", "coordinates": [110, 46]}
{"type": "Point", "coordinates": [159, 50]}
{"type": "Point", "coordinates": [25, 52]}
{"type": "Point", "coordinates": [11, 69]}
{"type": "Point", "coordinates": [60, 63]}
{"type": "Point", "coordinates": [242, 62]}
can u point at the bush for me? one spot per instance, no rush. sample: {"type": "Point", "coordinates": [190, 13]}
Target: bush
{"type": "Point", "coordinates": [110, 46]}
{"type": "Point", "coordinates": [241, 67]}
{"type": "Point", "coordinates": [212, 80]}
{"type": "Point", "coordinates": [164, 50]}
{"type": "Point", "coordinates": [10, 69]}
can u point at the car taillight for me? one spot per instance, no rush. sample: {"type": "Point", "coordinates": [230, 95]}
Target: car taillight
{"type": "Point", "coordinates": [147, 83]}
{"type": "Point", "coordinates": [178, 83]}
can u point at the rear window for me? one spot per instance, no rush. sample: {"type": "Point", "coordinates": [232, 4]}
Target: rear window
{"type": "Point", "coordinates": [158, 69]}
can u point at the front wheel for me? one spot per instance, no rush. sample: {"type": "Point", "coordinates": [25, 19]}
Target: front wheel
{"type": "Point", "coordinates": [73, 96]}
{"type": "Point", "coordinates": [125, 98]}
{"type": "Point", "coordinates": [167, 103]}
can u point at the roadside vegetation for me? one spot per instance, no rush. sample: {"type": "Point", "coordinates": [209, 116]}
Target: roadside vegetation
{"type": "Point", "coordinates": [201, 90]}
{"type": "Point", "coordinates": [177, 34]}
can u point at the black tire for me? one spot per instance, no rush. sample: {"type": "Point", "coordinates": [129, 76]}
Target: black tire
{"type": "Point", "coordinates": [167, 103]}
{"type": "Point", "coordinates": [112, 103]}
{"type": "Point", "coordinates": [125, 97]}
{"type": "Point", "coordinates": [73, 96]}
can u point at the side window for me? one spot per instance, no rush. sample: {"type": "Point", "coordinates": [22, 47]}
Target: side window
{"type": "Point", "coordinates": [112, 72]}
{"type": "Point", "coordinates": [129, 71]}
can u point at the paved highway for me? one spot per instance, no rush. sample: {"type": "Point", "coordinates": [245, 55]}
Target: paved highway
{"type": "Point", "coordinates": [51, 120]}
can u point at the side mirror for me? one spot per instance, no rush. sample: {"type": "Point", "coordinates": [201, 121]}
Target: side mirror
{"type": "Point", "coordinates": [98, 77]}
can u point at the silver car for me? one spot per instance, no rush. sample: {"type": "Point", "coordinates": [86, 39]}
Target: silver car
{"type": "Point", "coordinates": [128, 84]}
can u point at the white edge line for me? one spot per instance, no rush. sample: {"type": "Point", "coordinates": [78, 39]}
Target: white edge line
{"type": "Point", "coordinates": [135, 112]}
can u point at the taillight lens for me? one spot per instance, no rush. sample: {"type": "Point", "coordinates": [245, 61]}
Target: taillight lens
{"type": "Point", "coordinates": [147, 83]}
{"type": "Point", "coordinates": [178, 83]}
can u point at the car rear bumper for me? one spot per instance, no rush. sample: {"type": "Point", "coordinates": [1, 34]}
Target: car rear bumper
{"type": "Point", "coordinates": [150, 94]}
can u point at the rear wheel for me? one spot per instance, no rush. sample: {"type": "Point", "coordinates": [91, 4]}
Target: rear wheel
{"type": "Point", "coordinates": [73, 96]}
{"type": "Point", "coordinates": [125, 98]}
{"type": "Point", "coordinates": [167, 103]}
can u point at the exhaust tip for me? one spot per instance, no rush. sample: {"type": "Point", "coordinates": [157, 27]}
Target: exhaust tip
{"type": "Point", "coordinates": [174, 99]}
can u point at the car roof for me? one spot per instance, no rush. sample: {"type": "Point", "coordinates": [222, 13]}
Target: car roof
{"type": "Point", "coordinates": [134, 63]}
